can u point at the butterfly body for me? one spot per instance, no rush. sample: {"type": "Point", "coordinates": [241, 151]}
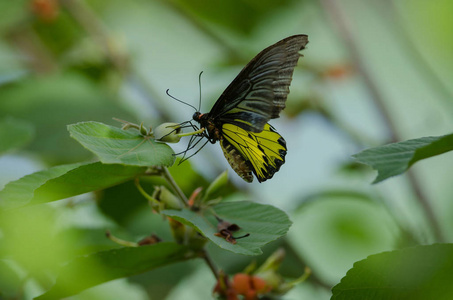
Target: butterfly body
{"type": "Point", "coordinates": [239, 118]}
{"type": "Point", "coordinates": [210, 124]}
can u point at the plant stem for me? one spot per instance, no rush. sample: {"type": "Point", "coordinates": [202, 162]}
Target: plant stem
{"type": "Point", "coordinates": [83, 14]}
{"type": "Point", "coordinates": [150, 199]}
{"type": "Point", "coordinates": [319, 281]}
{"type": "Point", "coordinates": [340, 22]}
{"type": "Point", "coordinates": [174, 185]}
{"type": "Point", "coordinates": [205, 29]}
{"type": "Point", "coordinates": [210, 263]}
{"type": "Point", "coordinates": [414, 53]}
{"type": "Point", "coordinates": [120, 241]}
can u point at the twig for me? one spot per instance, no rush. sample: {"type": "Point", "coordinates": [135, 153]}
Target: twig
{"type": "Point", "coordinates": [340, 22]}
{"type": "Point", "coordinates": [206, 30]}
{"type": "Point", "coordinates": [119, 241]}
{"type": "Point", "coordinates": [413, 52]}
{"type": "Point", "coordinates": [210, 263]}
{"type": "Point", "coordinates": [299, 260]}
{"type": "Point", "coordinates": [40, 58]}
{"type": "Point", "coordinates": [82, 13]}
{"type": "Point", "coordinates": [174, 185]}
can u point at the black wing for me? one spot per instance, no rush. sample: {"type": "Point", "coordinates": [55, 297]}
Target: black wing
{"type": "Point", "coordinates": [259, 92]}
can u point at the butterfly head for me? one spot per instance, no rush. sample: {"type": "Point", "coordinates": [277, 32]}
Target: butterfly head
{"type": "Point", "coordinates": [199, 117]}
{"type": "Point", "coordinates": [196, 116]}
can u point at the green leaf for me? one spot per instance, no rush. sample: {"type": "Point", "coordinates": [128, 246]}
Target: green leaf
{"type": "Point", "coordinates": [116, 146]}
{"type": "Point", "coordinates": [10, 282]}
{"type": "Point", "coordinates": [394, 159]}
{"type": "Point", "coordinates": [64, 181]}
{"type": "Point", "coordinates": [264, 223]}
{"type": "Point", "coordinates": [213, 189]}
{"type": "Point", "coordinates": [52, 102]}
{"type": "Point", "coordinates": [90, 270]}
{"type": "Point", "coordinates": [239, 16]}
{"type": "Point", "coordinates": [418, 273]}
{"type": "Point", "coordinates": [14, 134]}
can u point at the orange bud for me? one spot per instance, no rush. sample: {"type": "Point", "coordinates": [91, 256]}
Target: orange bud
{"type": "Point", "coordinates": [339, 71]}
{"type": "Point", "coordinates": [224, 288]}
{"type": "Point", "coordinates": [260, 285]}
{"type": "Point", "coordinates": [195, 194]}
{"type": "Point", "coordinates": [241, 283]}
{"type": "Point", "coordinates": [251, 295]}
{"type": "Point", "coordinates": [46, 10]}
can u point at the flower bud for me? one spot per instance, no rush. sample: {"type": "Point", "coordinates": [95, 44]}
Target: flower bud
{"type": "Point", "coordinates": [178, 230]}
{"type": "Point", "coordinates": [143, 130]}
{"type": "Point", "coordinates": [168, 132]}
{"type": "Point", "coordinates": [167, 198]}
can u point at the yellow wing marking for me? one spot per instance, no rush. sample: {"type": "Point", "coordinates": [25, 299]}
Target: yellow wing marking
{"type": "Point", "coordinates": [264, 152]}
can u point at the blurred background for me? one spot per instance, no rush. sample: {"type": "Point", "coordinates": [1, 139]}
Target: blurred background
{"type": "Point", "coordinates": [373, 72]}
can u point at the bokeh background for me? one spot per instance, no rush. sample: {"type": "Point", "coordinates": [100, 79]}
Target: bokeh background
{"type": "Point", "coordinates": [373, 72]}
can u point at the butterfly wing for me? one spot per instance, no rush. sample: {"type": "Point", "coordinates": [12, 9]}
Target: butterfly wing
{"type": "Point", "coordinates": [259, 92]}
{"type": "Point", "coordinates": [261, 153]}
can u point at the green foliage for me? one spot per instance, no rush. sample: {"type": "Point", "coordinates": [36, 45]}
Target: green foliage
{"type": "Point", "coordinates": [75, 62]}
{"type": "Point", "coordinates": [111, 201]}
{"type": "Point", "coordinates": [394, 159]}
{"type": "Point", "coordinates": [241, 16]}
{"type": "Point", "coordinates": [347, 224]}
{"type": "Point", "coordinates": [93, 269]}
{"type": "Point", "coordinates": [49, 104]}
{"type": "Point", "coordinates": [116, 146]}
{"type": "Point", "coordinates": [264, 223]}
{"type": "Point", "coordinates": [65, 181]}
{"type": "Point", "coordinates": [138, 153]}
{"type": "Point", "coordinates": [9, 280]}
{"type": "Point", "coordinates": [213, 190]}
{"type": "Point", "coordinates": [14, 134]}
{"type": "Point", "coordinates": [417, 273]}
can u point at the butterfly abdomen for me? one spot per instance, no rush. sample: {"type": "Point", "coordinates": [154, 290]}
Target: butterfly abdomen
{"type": "Point", "coordinates": [234, 158]}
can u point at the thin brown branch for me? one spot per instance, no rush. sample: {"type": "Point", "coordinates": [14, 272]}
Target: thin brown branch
{"type": "Point", "coordinates": [88, 20]}
{"type": "Point", "coordinates": [344, 29]}
{"type": "Point", "coordinates": [38, 57]}
{"type": "Point", "coordinates": [339, 21]}
{"type": "Point", "coordinates": [202, 27]}
{"type": "Point", "coordinates": [413, 52]}
{"type": "Point", "coordinates": [210, 264]}
{"type": "Point", "coordinates": [289, 248]}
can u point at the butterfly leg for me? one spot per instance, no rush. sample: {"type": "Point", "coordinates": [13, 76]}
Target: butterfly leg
{"type": "Point", "coordinates": [186, 158]}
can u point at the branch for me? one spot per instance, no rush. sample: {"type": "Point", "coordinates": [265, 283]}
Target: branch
{"type": "Point", "coordinates": [340, 22]}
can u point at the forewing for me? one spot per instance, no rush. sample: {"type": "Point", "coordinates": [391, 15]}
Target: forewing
{"type": "Point", "coordinates": [260, 90]}
{"type": "Point", "coordinates": [261, 153]}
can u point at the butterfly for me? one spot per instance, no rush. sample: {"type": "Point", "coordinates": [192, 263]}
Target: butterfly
{"type": "Point", "coordinates": [239, 118]}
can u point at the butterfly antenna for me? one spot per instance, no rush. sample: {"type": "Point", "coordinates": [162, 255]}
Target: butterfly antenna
{"type": "Point", "coordinates": [184, 125]}
{"type": "Point", "coordinates": [199, 87]}
{"type": "Point", "coordinates": [179, 100]}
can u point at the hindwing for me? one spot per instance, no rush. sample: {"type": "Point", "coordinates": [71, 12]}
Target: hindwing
{"type": "Point", "coordinates": [261, 153]}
